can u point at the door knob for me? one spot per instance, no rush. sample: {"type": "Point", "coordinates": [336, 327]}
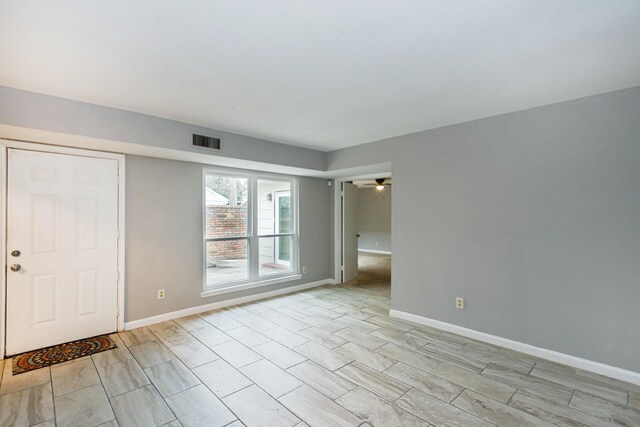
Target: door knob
{"type": "Point", "coordinates": [15, 253]}
{"type": "Point", "coordinates": [15, 267]}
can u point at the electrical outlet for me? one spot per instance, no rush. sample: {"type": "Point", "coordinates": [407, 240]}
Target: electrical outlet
{"type": "Point", "coordinates": [160, 293]}
{"type": "Point", "coordinates": [460, 303]}
{"type": "Point", "coordinates": [304, 269]}
{"type": "Point", "coordinates": [377, 244]}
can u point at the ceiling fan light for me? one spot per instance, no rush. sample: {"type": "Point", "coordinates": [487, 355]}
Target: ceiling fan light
{"type": "Point", "coordinates": [379, 187]}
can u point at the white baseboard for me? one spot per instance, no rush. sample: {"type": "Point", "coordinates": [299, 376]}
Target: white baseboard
{"type": "Point", "coordinates": [221, 304]}
{"type": "Point", "coordinates": [372, 251]}
{"type": "Point", "coordinates": [554, 356]}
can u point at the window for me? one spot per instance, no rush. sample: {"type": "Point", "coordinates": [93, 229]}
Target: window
{"type": "Point", "coordinates": [250, 236]}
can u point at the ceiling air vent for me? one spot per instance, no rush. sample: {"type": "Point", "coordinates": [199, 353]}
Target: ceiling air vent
{"type": "Point", "coordinates": [206, 142]}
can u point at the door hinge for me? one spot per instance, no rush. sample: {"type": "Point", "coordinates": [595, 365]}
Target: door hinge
{"type": "Point", "coordinates": [342, 268]}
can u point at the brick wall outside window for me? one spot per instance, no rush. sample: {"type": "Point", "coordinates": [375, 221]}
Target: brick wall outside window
{"type": "Point", "coordinates": [226, 221]}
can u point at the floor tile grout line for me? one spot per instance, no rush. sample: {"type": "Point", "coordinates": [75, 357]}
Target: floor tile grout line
{"type": "Point", "coordinates": [149, 379]}
{"type": "Point", "coordinates": [53, 398]}
{"type": "Point", "coordinates": [240, 372]}
{"type": "Point", "coordinates": [332, 400]}
{"type": "Point", "coordinates": [511, 397]}
{"type": "Point", "coordinates": [104, 390]}
{"type": "Point", "coordinates": [263, 390]}
{"type": "Point", "coordinates": [374, 350]}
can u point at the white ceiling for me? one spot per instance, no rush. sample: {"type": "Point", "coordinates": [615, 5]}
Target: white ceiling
{"type": "Point", "coordinates": [324, 74]}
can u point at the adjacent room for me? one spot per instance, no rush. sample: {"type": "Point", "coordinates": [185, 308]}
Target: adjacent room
{"type": "Point", "coordinates": [328, 213]}
{"type": "Point", "coordinates": [371, 219]}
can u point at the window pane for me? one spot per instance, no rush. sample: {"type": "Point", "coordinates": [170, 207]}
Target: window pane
{"type": "Point", "coordinates": [226, 206]}
{"type": "Point", "coordinates": [274, 207]}
{"type": "Point", "coordinates": [275, 255]}
{"type": "Point", "coordinates": [227, 261]}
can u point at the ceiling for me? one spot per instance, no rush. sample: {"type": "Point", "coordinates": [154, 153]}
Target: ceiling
{"type": "Point", "coordinates": [324, 74]}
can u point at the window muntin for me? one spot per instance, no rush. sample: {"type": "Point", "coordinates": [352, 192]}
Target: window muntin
{"type": "Point", "coordinates": [250, 229]}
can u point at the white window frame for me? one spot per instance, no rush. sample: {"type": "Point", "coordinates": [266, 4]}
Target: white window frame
{"type": "Point", "coordinates": [276, 215]}
{"type": "Point", "coordinates": [254, 280]}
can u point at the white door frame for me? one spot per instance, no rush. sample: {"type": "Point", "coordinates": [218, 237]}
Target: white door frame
{"type": "Point", "coordinates": [120, 158]}
{"type": "Point", "coordinates": [337, 220]}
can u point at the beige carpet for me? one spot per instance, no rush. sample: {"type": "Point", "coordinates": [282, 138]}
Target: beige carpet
{"type": "Point", "coordinates": [374, 273]}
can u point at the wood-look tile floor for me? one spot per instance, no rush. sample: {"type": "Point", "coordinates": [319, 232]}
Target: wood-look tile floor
{"type": "Point", "coordinates": [329, 356]}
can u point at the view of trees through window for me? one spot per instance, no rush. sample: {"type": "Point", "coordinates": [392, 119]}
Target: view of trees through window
{"type": "Point", "coordinates": [234, 190]}
{"type": "Point", "coordinates": [249, 230]}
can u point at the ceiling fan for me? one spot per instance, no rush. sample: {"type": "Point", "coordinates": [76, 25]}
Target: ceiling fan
{"type": "Point", "coordinates": [380, 184]}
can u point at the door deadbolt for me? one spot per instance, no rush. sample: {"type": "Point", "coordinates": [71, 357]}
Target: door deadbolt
{"type": "Point", "coordinates": [15, 253]}
{"type": "Point", "coordinates": [15, 267]}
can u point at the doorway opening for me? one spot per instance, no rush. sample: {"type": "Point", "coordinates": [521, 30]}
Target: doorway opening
{"type": "Point", "coordinates": [365, 205]}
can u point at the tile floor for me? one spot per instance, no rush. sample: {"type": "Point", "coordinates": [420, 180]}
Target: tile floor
{"type": "Point", "coordinates": [329, 356]}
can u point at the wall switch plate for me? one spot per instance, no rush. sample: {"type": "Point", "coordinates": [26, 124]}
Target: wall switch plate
{"type": "Point", "coordinates": [304, 269]}
{"type": "Point", "coordinates": [160, 293]}
{"type": "Point", "coordinates": [460, 303]}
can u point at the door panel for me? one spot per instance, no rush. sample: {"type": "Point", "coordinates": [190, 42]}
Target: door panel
{"type": "Point", "coordinates": [44, 305]}
{"type": "Point", "coordinates": [45, 223]}
{"type": "Point", "coordinates": [87, 223]}
{"type": "Point", "coordinates": [349, 231]}
{"type": "Point", "coordinates": [87, 292]}
{"type": "Point", "coordinates": [62, 215]}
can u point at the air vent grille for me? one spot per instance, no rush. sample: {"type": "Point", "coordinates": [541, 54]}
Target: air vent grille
{"type": "Point", "coordinates": [206, 142]}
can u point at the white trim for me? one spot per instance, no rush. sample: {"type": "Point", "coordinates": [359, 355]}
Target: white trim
{"type": "Point", "coordinates": [554, 356]}
{"type": "Point", "coordinates": [382, 169]}
{"type": "Point", "coordinates": [235, 288]}
{"type": "Point", "coordinates": [45, 148]}
{"type": "Point", "coordinates": [253, 235]}
{"type": "Point", "coordinates": [3, 245]}
{"type": "Point", "coordinates": [372, 251]}
{"type": "Point", "coordinates": [120, 158]}
{"type": "Point", "coordinates": [337, 230]}
{"type": "Point", "coordinates": [121, 240]}
{"type": "Point", "coordinates": [221, 304]}
{"type": "Point", "coordinates": [277, 195]}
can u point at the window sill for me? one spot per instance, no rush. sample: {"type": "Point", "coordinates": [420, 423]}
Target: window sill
{"type": "Point", "coordinates": [244, 286]}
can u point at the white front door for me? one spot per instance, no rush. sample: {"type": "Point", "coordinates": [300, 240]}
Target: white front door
{"type": "Point", "coordinates": [349, 231]}
{"type": "Point", "coordinates": [62, 259]}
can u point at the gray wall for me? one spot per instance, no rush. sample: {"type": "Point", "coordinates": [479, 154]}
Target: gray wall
{"type": "Point", "coordinates": [164, 236]}
{"type": "Point", "coordinates": [374, 219]}
{"type": "Point", "coordinates": [42, 112]}
{"type": "Point", "coordinates": [163, 218]}
{"type": "Point", "coordinates": [532, 217]}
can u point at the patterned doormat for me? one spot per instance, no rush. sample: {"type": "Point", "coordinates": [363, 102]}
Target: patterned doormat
{"type": "Point", "coordinates": [48, 356]}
